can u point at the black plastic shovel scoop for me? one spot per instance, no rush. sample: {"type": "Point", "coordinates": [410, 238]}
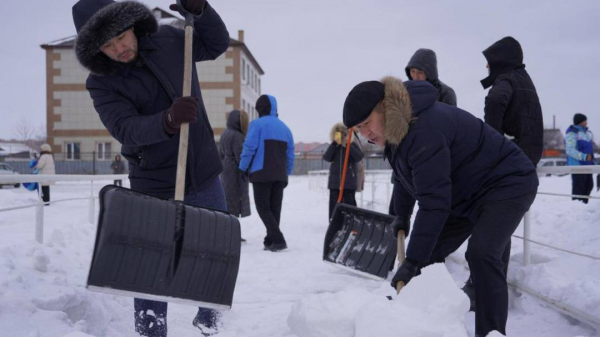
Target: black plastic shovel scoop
{"type": "Point", "coordinates": [359, 240]}
{"type": "Point", "coordinates": [164, 250]}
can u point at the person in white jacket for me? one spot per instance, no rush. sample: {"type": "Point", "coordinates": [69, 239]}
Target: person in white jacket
{"type": "Point", "coordinates": [45, 165]}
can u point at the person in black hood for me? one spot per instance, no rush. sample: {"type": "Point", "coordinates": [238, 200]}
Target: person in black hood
{"type": "Point", "coordinates": [136, 84]}
{"type": "Point", "coordinates": [423, 67]}
{"type": "Point", "coordinates": [512, 106]}
{"type": "Point", "coordinates": [474, 185]}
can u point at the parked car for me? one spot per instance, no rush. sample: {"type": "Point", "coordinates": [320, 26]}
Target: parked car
{"type": "Point", "coordinates": [545, 162]}
{"type": "Point", "coordinates": [5, 169]}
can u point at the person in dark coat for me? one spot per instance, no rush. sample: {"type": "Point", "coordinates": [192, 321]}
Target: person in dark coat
{"type": "Point", "coordinates": [579, 146]}
{"type": "Point", "coordinates": [118, 167]}
{"type": "Point", "coordinates": [136, 84]}
{"type": "Point", "coordinates": [423, 67]}
{"type": "Point", "coordinates": [336, 154]}
{"type": "Point", "coordinates": [512, 106]}
{"type": "Point", "coordinates": [469, 180]}
{"type": "Point", "coordinates": [235, 182]}
{"type": "Point", "coordinates": [268, 157]}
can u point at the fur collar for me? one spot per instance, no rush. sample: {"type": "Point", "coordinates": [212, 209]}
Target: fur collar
{"type": "Point", "coordinates": [397, 110]}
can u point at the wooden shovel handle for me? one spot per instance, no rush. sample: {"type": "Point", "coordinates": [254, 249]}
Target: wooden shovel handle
{"type": "Point", "coordinates": [185, 127]}
{"type": "Point", "coordinates": [401, 257]}
{"type": "Point", "coordinates": [342, 183]}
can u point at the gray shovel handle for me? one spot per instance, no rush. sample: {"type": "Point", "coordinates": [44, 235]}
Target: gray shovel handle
{"type": "Point", "coordinates": [185, 127]}
{"type": "Point", "coordinates": [401, 257]}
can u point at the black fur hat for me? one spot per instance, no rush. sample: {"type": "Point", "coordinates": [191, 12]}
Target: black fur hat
{"type": "Point", "coordinates": [98, 21]}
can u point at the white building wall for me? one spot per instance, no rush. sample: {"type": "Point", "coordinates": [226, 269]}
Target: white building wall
{"type": "Point", "coordinates": [216, 107]}
{"type": "Point", "coordinates": [214, 71]}
{"type": "Point", "coordinates": [77, 111]}
{"type": "Point", "coordinates": [71, 71]}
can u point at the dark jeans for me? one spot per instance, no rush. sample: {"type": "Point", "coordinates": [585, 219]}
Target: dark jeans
{"type": "Point", "coordinates": [488, 253]}
{"type": "Point", "coordinates": [45, 193]}
{"type": "Point", "coordinates": [348, 198]}
{"type": "Point", "coordinates": [118, 183]}
{"type": "Point", "coordinates": [155, 325]}
{"type": "Point", "coordinates": [582, 185]}
{"type": "Point", "coordinates": [268, 198]}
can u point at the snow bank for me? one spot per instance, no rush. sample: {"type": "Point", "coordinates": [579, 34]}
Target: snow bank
{"type": "Point", "coordinates": [431, 305]}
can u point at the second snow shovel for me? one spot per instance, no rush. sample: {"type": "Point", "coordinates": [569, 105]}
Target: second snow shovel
{"type": "Point", "coordinates": [359, 240]}
{"type": "Point", "coordinates": [165, 250]}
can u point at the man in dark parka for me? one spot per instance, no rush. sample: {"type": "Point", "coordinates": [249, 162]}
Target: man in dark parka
{"type": "Point", "coordinates": [512, 106]}
{"type": "Point", "coordinates": [336, 154]}
{"type": "Point", "coordinates": [468, 179]}
{"type": "Point", "coordinates": [423, 67]}
{"type": "Point", "coordinates": [136, 84]}
{"type": "Point", "coordinates": [235, 182]}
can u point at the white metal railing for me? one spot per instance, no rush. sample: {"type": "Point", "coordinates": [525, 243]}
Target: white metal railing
{"type": "Point", "coordinates": [39, 206]}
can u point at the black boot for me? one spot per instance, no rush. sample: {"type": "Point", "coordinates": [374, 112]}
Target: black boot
{"type": "Point", "coordinates": [470, 291]}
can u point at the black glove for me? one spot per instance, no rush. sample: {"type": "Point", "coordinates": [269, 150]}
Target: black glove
{"type": "Point", "coordinates": [401, 223]}
{"type": "Point", "coordinates": [193, 6]}
{"type": "Point", "coordinates": [183, 110]}
{"type": "Point", "coordinates": [408, 270]}
{"type": "Point", "coordinates": [244, 175]}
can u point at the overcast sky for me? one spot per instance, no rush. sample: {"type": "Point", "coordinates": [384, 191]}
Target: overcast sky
{"type": "Point", "coordinates": [314, 52]}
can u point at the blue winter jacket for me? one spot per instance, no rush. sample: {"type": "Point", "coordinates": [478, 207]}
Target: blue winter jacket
{"type": "Point", "coordinates": [448, 160]}
{"type": "Point", "coordinates": [578, 144]}
{"type": "Point", "coordinates": [269, 148]}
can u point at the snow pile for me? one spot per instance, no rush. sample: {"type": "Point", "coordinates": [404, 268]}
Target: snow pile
{"type": "Point", "coordinates": [430, 306]}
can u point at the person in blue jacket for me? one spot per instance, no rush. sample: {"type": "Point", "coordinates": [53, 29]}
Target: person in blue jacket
{"type": "Point", "coordinates": [136, 84]}
{"type": "Point", "coordinates": [579, 147]}
{"type": "Point", "coordinates": [469, 181]}
{"type": "Point", "coordinates": [268, 157]}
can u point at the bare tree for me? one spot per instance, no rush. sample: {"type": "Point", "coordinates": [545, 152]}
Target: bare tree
{"type": "Point", "coordinates": [24, 130]}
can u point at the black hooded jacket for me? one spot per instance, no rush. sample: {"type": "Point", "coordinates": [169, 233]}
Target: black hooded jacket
{"type": "Point", "coordinates": [426, 61]}
{"type": "Point", "coordinates": [234, 181]}
{"type": "Point", "coordinates": [132, 98]}
{"type": "Point", "coordinates": [512, 106]}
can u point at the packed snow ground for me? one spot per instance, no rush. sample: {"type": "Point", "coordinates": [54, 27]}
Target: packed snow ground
{"type": "Point", "coordinates": [293, 293]}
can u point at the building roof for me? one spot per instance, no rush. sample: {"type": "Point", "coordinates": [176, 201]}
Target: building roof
{"type": "Point", "coordinates": [554, 139]}
{"type": "Point", "coordinates": [164, 18]}
{"type": "Point", "coordinates": [9, 148]}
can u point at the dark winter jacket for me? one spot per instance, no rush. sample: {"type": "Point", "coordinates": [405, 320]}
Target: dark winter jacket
{"type": "Point", "coordinates": [132, 98]}
{"type": "Point", "coordinates": [118, 166]}
{"type": "Point", "coordinates": [578, 145]}
{"type": "Point", "coordinates": [448, 160]}
{"type": "Point", "coordinates": [426, 61]}
{"type": "Point", "coordinates": [234, 180]}
{"type": "Point", "coordinates": [269, 147]}
{"type": "Point", "coordinates": [512, 106]}
{"type": "Point", "coordinates": [336, 154]}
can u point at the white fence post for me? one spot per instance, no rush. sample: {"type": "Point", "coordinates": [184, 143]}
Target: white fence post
{"type": "Point", "coordinates": [92, 205]}
{"type": "Point", "coordinates": [39, 217]}
{"type": "Point", "coordinates": [526, 235]}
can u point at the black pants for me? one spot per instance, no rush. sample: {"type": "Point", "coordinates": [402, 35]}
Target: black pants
{"type": "Point", "coordinates": [348, 198]}
{"type": "Point", "coordinates": [45, 193]}
{"type": "Point", "coordinates": [582, 185]}
{"type": "Point", "coordinates": [488, 253]}
{"type": "Point", "coordinates": [118, 183]}
{"type": "Point", "coordinates": [268, 198]}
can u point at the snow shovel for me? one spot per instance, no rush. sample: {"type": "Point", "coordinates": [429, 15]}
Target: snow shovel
{"type": "Point", "coordinates": [165, 250]}
{"type": "Point", "coordinates": [359, 240]}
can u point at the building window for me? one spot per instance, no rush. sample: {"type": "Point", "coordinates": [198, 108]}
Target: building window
{"type": "Point", "coordinates": [243, 104]}
{"type": "Point", "coordinates": [248, 71]}
{"type": "Point", "coordinates": [73, 152]}
{"type": "Point", "coordinates": [243, 69]}
{"type": "Point", "coordinates": [259, 86]}
{"type": "Point", "coordinates": [104, 151]}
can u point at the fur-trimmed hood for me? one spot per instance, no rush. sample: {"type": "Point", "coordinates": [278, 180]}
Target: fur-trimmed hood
{"type": "Point", "coordinates": [98, 21]}
{"type": "Point", "coordinates": [238, 120]}
{"type": "Point", "coordinates": [338, 127]}
{"type": "Point", "coordinates": [402, 103]}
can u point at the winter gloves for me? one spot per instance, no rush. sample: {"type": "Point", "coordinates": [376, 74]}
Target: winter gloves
{"type": "Point", "coordinates": [183, 110]}
{"type": "Point", "coordinates": [193, 6]}
{"type": "Point", "coordinates": [408, 269]}
{"type": "Point", "coordinates": [401, 223]}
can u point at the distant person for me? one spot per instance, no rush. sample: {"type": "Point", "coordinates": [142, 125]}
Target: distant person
{"type": "Point", "coordinates": [579, 146]}
{"type": "Point", "coordinates": [45, 166]}
{"type": "Point", "coordinates": [423, 67]}
{"type": "Point", "coordinates": [118, 167]}
{"type": "Point", "coordinates": [512, 106]}
{"type": "Point", "coordinates": [268, 157]}
{"type": "Point", "coordinates": [235, 181]}
{"type": "Point", "coordinates": [336, 154]}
